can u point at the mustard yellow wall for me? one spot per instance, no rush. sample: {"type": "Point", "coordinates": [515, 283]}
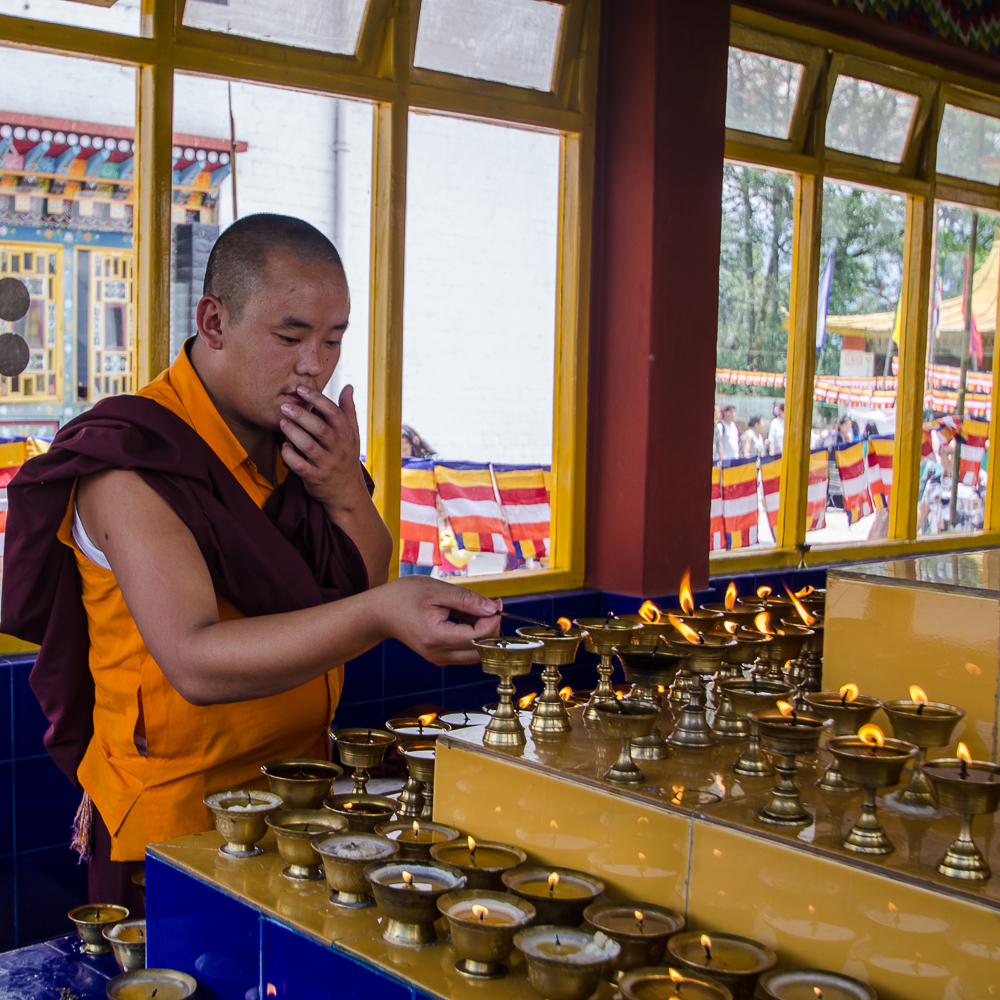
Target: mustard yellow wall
{"type": "Point", "coordinates": [886, 637]}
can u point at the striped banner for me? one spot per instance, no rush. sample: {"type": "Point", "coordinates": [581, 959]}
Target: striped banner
{"type": "Point", "coordinates": [973, 445]}
{"type": "Point", "coordinates": [739, 502]}
{"type": "Point", "coordinates": [471, 505]}
{"type": "Point", "coordinates": [770, 480]}
{"type": "Point", "coordinates": [880, 469]}
{"type": "Point", "coordinates": [718, 538]}
{"type": "Point", "coordinates": [526, 509]}
{"type": "Point", "coordinates": [819, 479]}
{"type": "Point", "coordinates": [418, 517]}
{"type": "Point", "coordinates": [850, 458]}
{"type": "Point", "coordinates": [13, 454]}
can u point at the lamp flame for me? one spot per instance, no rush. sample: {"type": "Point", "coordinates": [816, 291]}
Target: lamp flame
{"type": "Point", "coordinates": [800, 608]}
{"type": "Point", "coordinates": [553, 882]}
{"type": "Point", "coordinates": [918, 695]}
{"type": "Point", "coordinates": [731, 596]}
{"type": "Point", "coordinates": [730, 627]}
{"type": "Point", "coordinates": [818, 992]}
{"type": "Point", "coordinates": [566, 693]}
{"type": "Point", "coordinates": [408, 879]}
{"type": "Point", "coordinates": [785, 708]}
{"type": "Point", "coordinates": [620, 695]}
{"type": "Point", "coordinates": [565, 624]}
{"type": "Point", "coordinates": [480, 911]}
{"type": "Point", "coordinates": [871, 734]}
{"type": "Point", "coordinates": [805, 591]}
{"type": "Point", "coordinates": [650, 613]}
{"type": "Point", "coordinates": [675, 977]}
{"type": "Point", "coordinates": [762, 623]}
{"type": "Point", "coordinates": [639, 916]}
{"type": "Point", "coordinates": [764, 592]}
{"type": "Point", "coordinates": [962, 753]}
{"type": "Point", "coordinates": [848, 693]}
{"type": "Point", "coordinates": [472, 846]}
{"type": "Point", "coordinates": [706, 943]}
{"type": "Point", "coordinates": [685, 630]}
{"type": "Point", "coordinates": [416, 828]}
{"type": "Point", "coordinates": [685, 595]}
{"type": "Point", "coordinates": [526, 700]}
{"type": "Point", "coordinates": [426, 720]}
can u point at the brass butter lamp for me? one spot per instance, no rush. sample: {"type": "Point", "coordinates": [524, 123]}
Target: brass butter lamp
{"type": "Point", "coordinates": [649, 669]}
{"type": "Point", "coordinates": [407, 893]}
{"type": "Point", "coordinates": [849, 710]}
{"type": "Point", "coordinates": [559, 648]}
{"type": "Point", "coordinates": [417, 797]}
{"type": "Point", "coordinates": [602, 635]}
{"type": "Point", "coordinates": [507, 658]}
{"type": "Point", "coordinates": [626, 721]}
{"type": "Point", "coordinates": [705, 652]}
{"type": "Point", "coordinates": [970, 788]}
{"type": "Point", "coordinates": [748, 696]}
{"type": "Point", "coordinates": [361, 749]}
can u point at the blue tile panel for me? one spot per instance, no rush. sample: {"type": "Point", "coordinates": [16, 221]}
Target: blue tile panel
{"type": "Point", "coordinates": [53, 971]}
{"type": "Point", "coordinates": [196, 928]}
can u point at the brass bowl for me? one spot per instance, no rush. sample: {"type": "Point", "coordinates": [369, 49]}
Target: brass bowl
{"type": "Point", "coordinates": [951, 792]}
{"type": "Point", "coordinates": [564, 977]}
{"type": "Point", "coordinates": [411, 912]}
{"type": "Point", "coordinates": [653, 982]}
{"type": "Point", "coordinates": [565, 910]}
{"type": "Point", "coordinates": [650, 633]}
{"type": "Point", "coordinates": [361, 747]}
{"type": "Point", "coordinates": [240, 818]}
{"type": "Point", "coordinates": [128, 942]}
{"type": "Point", "coordinates": [931, 728]}
{"type": "Point", "coordinates": [411, 850]}
{"type": "Point", "coordinates": [143, 983]}
{"type": "Point", "coordinates": [558, 648]}
{"type": "Point", "coordinates": [301, 782]}
{"type": "Point", "coordinates": [650, 666]}
{"type": "Point", "coordinates": [345, 875]}
{"type": "Point", "coordinates": [779, 734]}
{"type": "Point", "coordinates": [869, 770]}
{"type": "Point", "coordinates": [408, 730]}
{"type": "Point", "coordinates": [707, 656]}
{"type": "Point", "coordinates": [750, 695]}
{"type": "Point", "coordinates": [90, 922]}
{"type": "Point", "coordinates": [603, 634]}
{"type": "Point", "coordinates": [685, 954]}
{"type": "Point", "coordinates": [492, 860]}
{"type": "Point", "coordinates": [362, 812]}
{"type": "Point", "coordinates": [418, 763]}
{"type": "Point", "coordinates": [483, 946]}
{"type": "Point", "coordinates": [626, 720]}
{"type": "Point", "coordinates": [787, 642]}
{"type": "Point", "coordinates": [848, 717]}
{"type": "Point", "coordinates": [639, 947]}
{"type": "Point", "coordinates": [776, 984]}
{"type": "Point", "coordinates": [295, 838]}
{"type": "Point", "coordinates": [742, 614]}
{"type": "Point", "coordinates": [750, 645]}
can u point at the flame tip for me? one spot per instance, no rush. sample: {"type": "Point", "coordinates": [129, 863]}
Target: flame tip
{"type": "Point", "coordinates": [730, 601]}
{"type": "Point", "coordinates": [872, 734]}
{"type": "Point", "coordinates": [918, 695]}
{"type": "Point", "coordinates": [426, 720]}
{"type": "Point", "coordinates": [565, 624]}
{"type": "Point", "coordinates": [849, 692]}
{"type": "Point", "coordinates": [962, 753]}
{"type": "Point", "coordinates": [685, 595]}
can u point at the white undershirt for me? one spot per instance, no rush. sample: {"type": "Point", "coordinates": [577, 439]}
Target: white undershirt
{"type": "Point", "coordinates": [86, 546]}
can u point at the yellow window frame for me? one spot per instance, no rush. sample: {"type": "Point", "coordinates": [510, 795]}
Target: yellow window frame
{"type": "Point", "coordinates": [381, 71]}
{"type": "Point", "coordinates": [812, 163]}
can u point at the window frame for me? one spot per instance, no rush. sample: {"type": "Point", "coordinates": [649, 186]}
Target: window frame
{"type": "Point", "coordinates": [381, 71]}
{"type": "Point", "coordinates": [915, 178]}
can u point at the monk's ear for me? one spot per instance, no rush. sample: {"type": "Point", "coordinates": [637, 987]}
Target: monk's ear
{"type": "Point", "coordinates": [212, 317]}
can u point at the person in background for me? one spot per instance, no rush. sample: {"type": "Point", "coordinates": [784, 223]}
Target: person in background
{"type": "Point", "coordinates": [414, 446]}
{"type": "Point", "coordinates": [871, 429]}
{"type": "Point", "coordinates": [715, 432]}
{"type": "Point", "coordinates": [727, 434]}
{"type": "Point", "coordinates": [845, 430]}
{"type": "Point", "coordinates": [776, 432]}
{"type": "Point", "coordinates": [751, 443]}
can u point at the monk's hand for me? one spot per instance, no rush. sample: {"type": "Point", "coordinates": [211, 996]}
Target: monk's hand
{"type": "Point", "coordinates": [417, 611]}
{"type": "Point", "coordinates": [324, 447]}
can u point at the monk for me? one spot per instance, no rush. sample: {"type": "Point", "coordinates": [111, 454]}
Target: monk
{"type": "Point", "coordinates": [197, 561]}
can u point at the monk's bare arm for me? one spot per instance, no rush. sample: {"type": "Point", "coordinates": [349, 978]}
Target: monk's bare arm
{"type": "Point", "coordinates": [169, 592]}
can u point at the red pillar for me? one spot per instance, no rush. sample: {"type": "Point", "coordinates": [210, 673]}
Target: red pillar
{"type": "Point", "coordinates": [657, 217]}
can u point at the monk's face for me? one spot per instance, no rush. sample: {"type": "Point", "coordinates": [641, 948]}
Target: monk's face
{"type": "Point", "coordinates": [288, 335]}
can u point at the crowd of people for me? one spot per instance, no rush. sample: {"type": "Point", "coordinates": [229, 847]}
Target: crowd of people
{"type": "Point", "coordinates": [751, 443]}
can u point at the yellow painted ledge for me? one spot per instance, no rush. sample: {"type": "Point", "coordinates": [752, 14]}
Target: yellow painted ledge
{"type": "Point", "coordinates": [10, 646]}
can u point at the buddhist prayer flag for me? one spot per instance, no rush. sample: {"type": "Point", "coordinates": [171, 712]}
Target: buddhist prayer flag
{"type": "Point", "coordinates": [823, 302]}
{"type": "Point", "coordinates": [880, 469]}
{"type": "Point", "coordinates": [526, 509]}
{"type": "Point", "coordinates": [850, 458]}
{"type": "Point", "coordinates": [718, 538]}
{"type": "Point", "coordinates": [13, 454]}
{"type": "Point", "coordinates": [819, 477]}
{"type": "Point", "coordinates": [770, 479]}
{"type": "Point", "coordinates": [418, 517]}
{"type": "Point", "coordinates": [739, 502]}
{"type": "Point", "coordinates": [973, 445]}
{"type": "Point", "coordinates": [473, 510]}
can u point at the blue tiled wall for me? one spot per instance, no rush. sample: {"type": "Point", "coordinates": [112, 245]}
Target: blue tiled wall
{"type": "Point", "coordinates": [39, 877]}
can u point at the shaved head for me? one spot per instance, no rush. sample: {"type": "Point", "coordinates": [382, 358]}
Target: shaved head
{"type": "Point", "coordinates": [236, 265]}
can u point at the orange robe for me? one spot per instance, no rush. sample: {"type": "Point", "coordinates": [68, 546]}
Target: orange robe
{"type": "Point", "coordinates": [190, 750]}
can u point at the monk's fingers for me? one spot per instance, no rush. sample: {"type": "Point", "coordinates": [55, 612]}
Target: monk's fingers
{"type": "Point", "coordinates": [312, 423]}
{"type": "Point", "coordinates": [346, 403]}
{"type": "Point", "coordinates": [327, 409]}
{"type": "Point", "coordinates": [303, 441]}
{"type": "Point", "coordinates": [300, 465]}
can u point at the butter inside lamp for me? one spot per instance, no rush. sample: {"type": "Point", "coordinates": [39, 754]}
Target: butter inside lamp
{"type": "Point", "coordinates": [482, 925]}
{"type": "Point", "coordinates": [736, 962]}
{"type": "Point", "coordinates": [813, 984]}
{"type": "Point", "coordinates": [565, 963]}
{"type": "Point", "coordinates": [665, 983]}
{"type": "Point", "coordinates": [483, 864]}
{"type": "Point", "coordinates": [560, 895]}
{"type": "Point", "coordinates": [641, 929]}
{"type": "Point", "coordinates": [141, 984]}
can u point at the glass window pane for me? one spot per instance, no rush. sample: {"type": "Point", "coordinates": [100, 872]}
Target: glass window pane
{"type": "Point", "coordinates": [330, 25]}
{"type": "Point", "coordinates": [123, 17]}
{"type": "Point", "coordinates": [956, 423]}
{"type": "Point", "coordinates": [327, 183]}
{"type": "Point", "coordinates": [854, 393]}
{"type": "Point", "coordinates": [509, 41]}
{"type": "Point", "coordinates": [868, 119]}
{"type": "Point", "coordinates": [762, 93]}
{"type": "Point", "coordinates": [479, 345]}
{"type": "Point", "coordinates": [755, 266]}
{"type": "Point", "coordinates": [969, 145]}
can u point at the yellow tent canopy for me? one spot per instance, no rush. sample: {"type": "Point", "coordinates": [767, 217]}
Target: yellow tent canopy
{"type": "Point", "coordinates": [984, 305]}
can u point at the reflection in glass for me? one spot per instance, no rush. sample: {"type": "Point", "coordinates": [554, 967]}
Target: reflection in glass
{"type": "Point", "coordinates": [755, 262]}
{"type": "Point", "coordinates": [327, 182]}
{"type": "Point", "coordinates": [509, 41]}
{"type": "Point", "coordinates": [761, 93]}
{"type": "Point", "coordinates": [329, 25]}
{"type": "Point", "coordinates": [969, 145]}
{"type": "Point", "coordinates": [857, 339]}
{"type": "Point", "coordinates": [868, 119]}
{"type": "Point", "coordinates": [959, 377]}
{"type": "Point", "coordinates": [482, 213]}
{"type": "Point", "coordinates": [123, 17]}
